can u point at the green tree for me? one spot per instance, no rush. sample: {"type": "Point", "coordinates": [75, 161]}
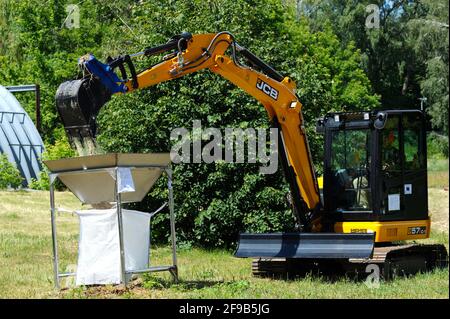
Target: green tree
{"type": "Point", "coordinates": [405, 58]}
{"type": "Point", "coordinates": [430, 35]}
{"type": "Point", "coordinates": [39, 49]}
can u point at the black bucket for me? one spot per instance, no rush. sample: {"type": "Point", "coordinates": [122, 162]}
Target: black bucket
{"type": "Point", "coordinates": [78, 103]}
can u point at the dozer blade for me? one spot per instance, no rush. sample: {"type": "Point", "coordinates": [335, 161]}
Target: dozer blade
{"type": "Point", "coordinates": [306, 245]}
{"type": "Point", "coordinates": [78, 103]}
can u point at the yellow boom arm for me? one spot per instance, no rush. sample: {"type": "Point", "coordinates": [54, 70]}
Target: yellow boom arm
{"type": "Point", "coordinates": [207, 51]}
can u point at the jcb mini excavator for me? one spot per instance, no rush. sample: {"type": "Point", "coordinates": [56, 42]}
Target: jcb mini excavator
{"type": "Point", "coordinates": [374, 192]}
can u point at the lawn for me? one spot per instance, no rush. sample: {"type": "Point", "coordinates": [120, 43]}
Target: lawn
{"type": "Point", "coordinates": [26, 267]}
{"type": "Point", "coordinates": [438, 173]}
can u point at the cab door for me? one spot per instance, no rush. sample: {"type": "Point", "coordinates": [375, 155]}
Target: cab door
{"type": "Point", "coordinates": [403, 174]}
{"type": "Point", "coordinates": [415, 187]}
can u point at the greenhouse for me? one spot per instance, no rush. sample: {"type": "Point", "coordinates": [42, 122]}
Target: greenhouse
{"type": "Point", "coordinates": [19, 138]}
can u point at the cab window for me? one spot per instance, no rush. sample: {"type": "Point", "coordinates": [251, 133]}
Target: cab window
{"type": "Point", "coordinates": [412, 134]}
{"type": "Point", "coordinates": [390, 146]}
{"type": "Point", "coordinates": [350, 168]}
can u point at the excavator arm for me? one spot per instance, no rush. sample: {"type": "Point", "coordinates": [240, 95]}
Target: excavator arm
{"type": "Point", "coordinates": [187, 54]}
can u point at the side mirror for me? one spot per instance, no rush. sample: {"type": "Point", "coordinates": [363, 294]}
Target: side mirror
{"type": "Point", "coordinates": [380, 121]}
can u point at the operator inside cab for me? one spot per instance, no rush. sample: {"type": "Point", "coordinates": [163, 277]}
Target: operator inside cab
{"type": "Point", "coordinates": [391, 152]}
{"type": "Point", "coordinates": [351, 170]}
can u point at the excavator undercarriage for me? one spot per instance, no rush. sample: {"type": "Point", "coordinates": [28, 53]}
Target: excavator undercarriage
{"type": "Point", "coordinates": [374, 190]}
{"type": "Point", "coordinates": [390, 262]}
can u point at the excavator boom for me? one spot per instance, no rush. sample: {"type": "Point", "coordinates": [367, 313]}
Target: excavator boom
{"type": "Point", "coordinates": [79, 101]}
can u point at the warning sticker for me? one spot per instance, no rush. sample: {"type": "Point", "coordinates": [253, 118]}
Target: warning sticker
{"type": "Point", "coordinates": [393, 202]}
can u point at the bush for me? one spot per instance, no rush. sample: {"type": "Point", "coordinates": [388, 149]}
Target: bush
{"type": "Point", "coordinates": [61, 149]}
{"type": "Point", "coordinates": [9, 174]}
{"type": "Point", "coordinates": [437, 145]}
{"type": "Point", "coordinates": [42, 183]}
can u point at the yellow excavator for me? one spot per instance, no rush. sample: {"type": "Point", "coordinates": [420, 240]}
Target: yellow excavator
{"type": "Point", "coordinates": [373, 193]}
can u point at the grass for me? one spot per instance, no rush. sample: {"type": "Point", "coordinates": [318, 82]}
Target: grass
{"type": "Point", "coordinates": [438, 164]}
{"type": "Point", "coordinates": [25, 243]}
{"type": "Point", "coordinates": [216, 274]}
{"type": "Point", "coordinates": [26, 268]}
{"type": "Point", "coordinates": [438, 173]}
{"type": "Point", "coordinates": [438, 193]}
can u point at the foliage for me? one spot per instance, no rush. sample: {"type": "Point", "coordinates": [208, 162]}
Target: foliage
{"type": "Point", "coordinates": [61, 149]}
{"type": "Point", "coordinates": [435, 88]}
{"type": "Point", "coordinates": [42, 182]}
{"type": "Point", "coordinates": [405, 58]}
{"type": "Point", "coordinates": [437, 145]}
{"type": "Point", "coordinates": [38, 49]}
{"type": "Point", "coordinates": [9, 174]}
{"type": "Point", "coordinates": [429, 34]}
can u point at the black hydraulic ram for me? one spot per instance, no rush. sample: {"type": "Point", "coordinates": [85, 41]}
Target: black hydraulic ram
{"type": "Point", "coordinates": [173, 44]}
{"type": "Point", "coordinates": [257, 62]}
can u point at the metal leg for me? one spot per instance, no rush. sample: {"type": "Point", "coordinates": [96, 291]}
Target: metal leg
{"type": "Point", "coordinates": [174, 272]}
{"type": "Point", "coordinates": [54, 240]}
{"type": "Point", "coordinates": [149, 260]}
{"type": "Point", "coordinates": [120, 224]}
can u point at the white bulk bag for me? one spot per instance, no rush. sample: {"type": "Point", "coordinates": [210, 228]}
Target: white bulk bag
{"type": "Point", "coordinates": [99, 247]}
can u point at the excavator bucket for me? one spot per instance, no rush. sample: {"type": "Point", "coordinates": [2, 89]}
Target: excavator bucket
{"type": "Point", "coordinates": [78, 103]}
{"type": "Point", "coordinates": [306, 245]}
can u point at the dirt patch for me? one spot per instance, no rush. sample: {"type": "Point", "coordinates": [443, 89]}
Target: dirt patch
{"type": "Point", "coordinates": [100, 291]}
{"type": "Point", "coordinates": [438, 201]}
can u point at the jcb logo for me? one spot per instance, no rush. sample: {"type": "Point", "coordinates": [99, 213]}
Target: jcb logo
{"type": "Point", "coordinates": [267, 89]}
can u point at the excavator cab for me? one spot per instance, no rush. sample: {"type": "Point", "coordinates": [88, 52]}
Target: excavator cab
{"type": "Point", "coordinates": [375, 173]}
